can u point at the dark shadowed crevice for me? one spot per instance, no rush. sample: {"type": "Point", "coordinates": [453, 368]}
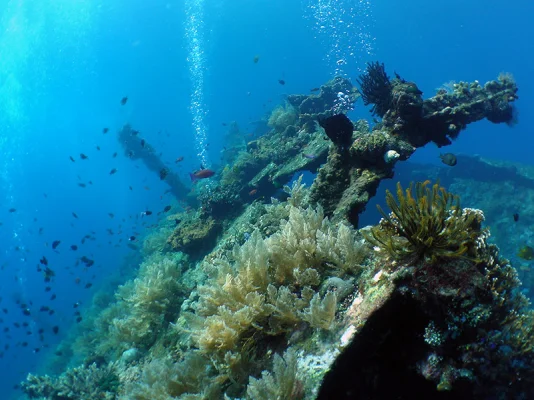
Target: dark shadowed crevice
{"type": "Point", "coordinates": [381, 362]}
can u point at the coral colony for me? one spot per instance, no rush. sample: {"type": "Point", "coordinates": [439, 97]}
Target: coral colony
{"type": "Point", "coordinates": [254, 292]}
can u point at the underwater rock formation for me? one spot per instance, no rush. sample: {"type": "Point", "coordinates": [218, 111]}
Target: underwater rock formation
{"type": "Point", "coordinates": [288, 300]}
{"type": "Point", "coordinates": [346, 182]}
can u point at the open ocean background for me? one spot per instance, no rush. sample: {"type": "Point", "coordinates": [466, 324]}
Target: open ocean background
{"type": "Point", "coordinates": [187, 68]}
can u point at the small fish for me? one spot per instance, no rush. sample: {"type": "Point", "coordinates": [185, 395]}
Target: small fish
{"type": "Point", "coordinates": [124, 100]}
{"type": "Point", "coordinates": [111, 215]}
{"type": "Point", "coordinates": [79, 319]}
{"type": "Point", "coordinates": [82, 185]}
{"type": "Point", "coordinates": [315, 89]}
{"type": "Point", "coordinates": [179, 159]}
{"type": "Point", "coordinates": [114, 155]}
{"type": "Point", "coordinates": [55, 243]}
{"type": "Point", "coordinates": [113, 171]}
{"type": "Point", "coordinates": [88, 285]}
{"type": "Point", "coordinates": [309, 156]}
{"type": "Point", "coordinates": [163, 173]}
{"type": "Point", "coordinates": [26, 312]}
{"type": "Point", "coordinates": [281, 82]}
{"type": "Point", "coordinates": [448, 159]}
{"type": "Point", "coordinates": [201, 174]}
{"type": "Point", "coordinates": [131, 238]}
{"type": "Point", "coordinates": [167, 209]}
{"type": "Point", "coordinates": [55, 329]}
{"type": "Point", "coordinates": [526, 253]}
{"type": "Point", "coordinates": [75, 215]}
{"type": "Point", "coordinates": [253, 192]}
{"type": "Point", "coordinates": [74, 247]}
{"type": "Point", "coordinates": [516, 217]}
{"type": "Point", "coordinates": [105, 130]}
{"type": "Point", "coordinates": [43, 261]}
{"type": "Point", "coordinates": [147, 212]}
{"type": "Point", "coordinates": [83, 156]}
{"type": "Point", "coordinates": [12, 210]}
{"type": "Point", "coordinates": [53, 297]}
{"type": "Point", "coordinates": [72, 159]}
{"type": "Point", "coordinates": [256, 59]}
{"type": "Point", "coordinates": [143, 142]}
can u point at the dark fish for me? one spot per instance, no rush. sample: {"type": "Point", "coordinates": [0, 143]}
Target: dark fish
{"type": "Point", "coordinates": [88, 285]}
{"type": "Point", "coordinates": [79, 319]}
{"type": "Point", "coordinates": [129, 187]}
{"type": "Point", "coordinates": [98, 148]}
{"type": "Point", "coordinates": [256, 59]}
{"type": "Point", "coordinates": [131, 238]}
{"type": "Point", "coordinates": [113, 171]}
{"type": "Point", "coordinates": [167, 208]}
{"type": "Point", "coordinates": [74, 215]}
{"type": "Point", "coordinates": [26, 312]}
{"type": "Point", "coordinates": [114, 155]}
{"type": "Point", "coordinates": [111, 215]}
{"type": "Point", "coordinates": [315, 89]}
{"type": "Point", "coordinates": [82, 185]}
{"type": "Point", "coordinates": [516, 217]}
{"type": "Point", "coordinates": [105, 130]}
{"type": "Point", "coordinates": [53, 297]}
{"type": "Point", "coordinates": [143, 142]}
{"type": "Point", "coordinates": [147, 212]}
{"type": "Point", "coordinates": [83, 156]}
{"type": "Point", "coordinates": [43, 261]}
{"type": "Point", "coordinates": [163, 173]}
{"type": "Point", "coordinates": [72, 159]}
{"type": "Point", "coordinates": [49, 273]}
{"type": "Point", "coordinates": [12, 210]}
{"type": "Point", "coordinates": [74, 247]}
{"type": "Point", "coordinates": [201, 174]}
{"type": "Point", "coordinates": [448, 159]}
{"type": "Point", "coordinates": [179, 159]}
{"type": "Point", "coordinates": [48, 288]}
{"type": "Point", "coordinates": [55, 243]}
{"type": "Point", "coordinates": [526, 253]}
{"type": "Point", "coordinates": [309, 156]}
{"type": "Point", "coordinates": [55, 329]}
{"type": "Point", "coordinates": [87, 261]}
{"type": "Point", "coordinates": [134, 132]}
{"type": "Point", "coordinates": [281, 82]}
{"type": "Point", "coordinates": [124, 100]}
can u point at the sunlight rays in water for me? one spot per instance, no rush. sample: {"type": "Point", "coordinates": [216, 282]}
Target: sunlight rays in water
{"type": "Point", "coordinates": [194, 32]}
{"type": "Point", "coordinates": [30, 34]}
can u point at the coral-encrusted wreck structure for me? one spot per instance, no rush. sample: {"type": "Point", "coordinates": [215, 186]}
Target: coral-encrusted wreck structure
{"type": "Point", "coordinates": [250, 298]}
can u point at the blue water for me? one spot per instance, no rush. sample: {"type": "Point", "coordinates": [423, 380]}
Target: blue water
{"type": "Point", "coordinates": [65, 65]}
